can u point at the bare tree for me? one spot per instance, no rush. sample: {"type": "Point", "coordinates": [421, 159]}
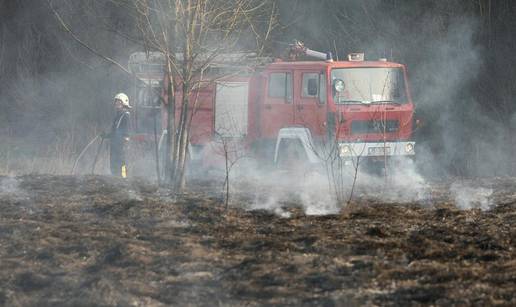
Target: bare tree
{"type": "Point", "coordinates": [232, 151]}
{"type": "Point", "coordinates": [193, 34]}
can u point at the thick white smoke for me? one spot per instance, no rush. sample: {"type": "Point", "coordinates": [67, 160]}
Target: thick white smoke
{"type": "Point", "coordinates": [9, 186]}
{"type": "Point", "coordinates": [311, 189]}
{"type": "Point", "coordinates": [469, 197]}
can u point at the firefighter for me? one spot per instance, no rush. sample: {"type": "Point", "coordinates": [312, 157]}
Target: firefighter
{"type": "Point", "coordinates": [119, 136]}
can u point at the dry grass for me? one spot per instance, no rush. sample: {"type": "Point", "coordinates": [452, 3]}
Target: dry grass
{"type": "Point", "coordinates": [93, 240]}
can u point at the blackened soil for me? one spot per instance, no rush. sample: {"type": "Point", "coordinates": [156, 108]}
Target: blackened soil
{"type": "Point", "coordinates": [82, 241]}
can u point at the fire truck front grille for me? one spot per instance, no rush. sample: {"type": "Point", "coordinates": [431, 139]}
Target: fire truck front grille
{"type": "Point", "coordinates": [374, 126]}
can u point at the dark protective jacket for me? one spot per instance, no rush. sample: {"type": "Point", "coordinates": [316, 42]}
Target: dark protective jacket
{"type": "Point", "coordinates": [119, 137]}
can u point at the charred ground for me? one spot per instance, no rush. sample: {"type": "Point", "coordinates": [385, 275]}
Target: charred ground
{"type": "Point", "coordinates": [101, 241]}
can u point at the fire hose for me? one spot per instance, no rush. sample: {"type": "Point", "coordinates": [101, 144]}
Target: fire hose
{"type": "Point", "coordinates": [84, 151]}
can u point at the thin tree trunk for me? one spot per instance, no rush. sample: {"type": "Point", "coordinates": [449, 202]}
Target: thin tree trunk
{"type": "Point", "coordinates": [155, 133]}
{"type": "Point", "coordinates": [183, 131]}
{"type": "Point", "coordinates": [227, 175]}
{"type": "Point", "coordinates": [169, 39]}
{"type": "Point", "coordinates": [169, 151]}
{"type": "Point", "coordinates": [183, 139]}
{"type": "Point", "coordinates": [181, 180]}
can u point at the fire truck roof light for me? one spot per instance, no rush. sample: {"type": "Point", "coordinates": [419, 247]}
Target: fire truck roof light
{"type": "Point", "coordinates": [356, 57]}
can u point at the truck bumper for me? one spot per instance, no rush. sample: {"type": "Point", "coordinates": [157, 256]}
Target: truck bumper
{"type": "Point", "coordinates": [377, 149]}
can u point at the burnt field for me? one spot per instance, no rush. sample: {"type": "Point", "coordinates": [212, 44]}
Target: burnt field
{"type": "Point", "coordinates": [93, 240]}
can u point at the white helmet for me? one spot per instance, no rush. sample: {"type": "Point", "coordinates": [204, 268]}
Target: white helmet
{"type": "Point", "coordinates": [124, 99]}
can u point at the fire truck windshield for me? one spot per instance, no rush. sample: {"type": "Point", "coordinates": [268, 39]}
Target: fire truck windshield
{"type": "Point", "coordinates": [368, 85]}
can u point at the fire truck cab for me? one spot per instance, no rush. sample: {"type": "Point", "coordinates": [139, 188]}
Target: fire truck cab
{"type": "Point", "coordinates": [363, 109]}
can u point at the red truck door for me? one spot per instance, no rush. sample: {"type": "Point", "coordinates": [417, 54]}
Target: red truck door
{"type": "Point", "coordinates": [277, 110]}
{"type": "Point", "coordinates": [310, 100]}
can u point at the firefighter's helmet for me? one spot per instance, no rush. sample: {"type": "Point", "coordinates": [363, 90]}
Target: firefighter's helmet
{"type": "Point", "coordinates": [124, 99]}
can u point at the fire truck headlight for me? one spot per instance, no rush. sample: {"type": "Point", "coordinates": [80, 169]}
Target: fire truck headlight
{"type": "Point", "coordinates": [338, 84]}
{"type": "Point", "coordinates": [409, 148]}
{"type": "Point", "coordinates": [345, 150]}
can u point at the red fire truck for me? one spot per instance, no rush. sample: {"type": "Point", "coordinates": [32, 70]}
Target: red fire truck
{"type": "Point", "coordinates": [356, 108]}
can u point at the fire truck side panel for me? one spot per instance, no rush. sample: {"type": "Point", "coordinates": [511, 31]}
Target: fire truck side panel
{"type": "Point", "coordinates": [202, 119]}
{"type": "Point", "coordinates": [202, 102]}
{"type": "Point", "coordinates": [231, 109]}
{"type": "Point", "coordinates": [255, 97]}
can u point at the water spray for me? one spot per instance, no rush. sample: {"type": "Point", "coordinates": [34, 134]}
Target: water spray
{"type": "Point", "coordinates": [97, 156]}
{"type": "Point", "coordinates": [84, 151]}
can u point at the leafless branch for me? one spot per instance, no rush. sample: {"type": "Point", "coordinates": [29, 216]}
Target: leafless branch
{"type": "Point", "coordinates": [82, 43]}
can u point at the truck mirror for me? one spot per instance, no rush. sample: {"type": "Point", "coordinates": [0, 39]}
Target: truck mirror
{"type": "Point", "coordinates": [312, 87]}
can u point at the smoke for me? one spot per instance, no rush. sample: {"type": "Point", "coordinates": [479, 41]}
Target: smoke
{"type": "Point", "coordinates": [312, 189]}
{"type": "Point", "coordinates": [10, 190]}
{"type": "Point", "coordinates": [314, 192]}
{"type": "Point", "coordinates": [271, 204]}
{"type": "Point", "coordinates": [8, 186]}
{"type": "Point", "coordinates": [278, 190]}
{"type": "Point", "coordinates": [316, 197]}
{"type": "Point", "coordinates": [275, 190]}
{"type": "Point", "coordinates": [469, 197]}
{"type": "Point", "coordinates": [402, 182]}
